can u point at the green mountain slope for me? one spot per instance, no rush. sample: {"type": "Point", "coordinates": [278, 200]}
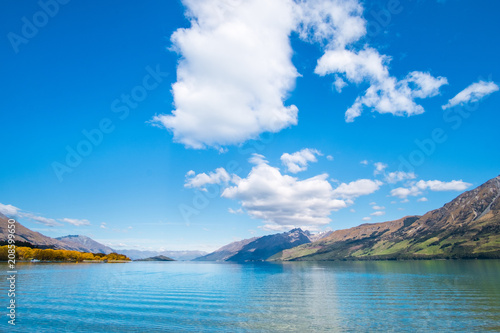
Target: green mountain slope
{"type": "Point", "coordinates": [467, 227]}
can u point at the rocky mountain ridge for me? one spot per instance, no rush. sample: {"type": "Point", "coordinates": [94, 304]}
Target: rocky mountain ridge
{"type": "Point", "coordinates": [261, 248]}
{"type": "Point", "coordinates": [466, 227]}
{"type": "Point", "coordinates": [85, 244]}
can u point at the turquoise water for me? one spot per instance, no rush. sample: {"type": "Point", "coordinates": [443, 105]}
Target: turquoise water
{"type": "Point", "coordinates": [409, 296]}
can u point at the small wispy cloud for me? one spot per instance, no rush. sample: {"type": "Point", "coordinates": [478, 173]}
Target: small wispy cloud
{"type": "Point", "coordinates": [76, 222]}
{"type": "Point", "coordinates": [9, 210]}
{"type": "Point", "coordinates": [472, 93]}
{"type": "Point", "coordinates": [357, 188]}
{"type": "Point", "coordinates": [379, 168]}
{"type": "Point", "coordinates": [235, 211]}
{"type": "Point", "coordinates": [416, 188]}
{"type": "Point", "coordinates": [378, 213]}
{"type": "Point", "coordinates": [40, 219]}
{"type": "Point", "coordinates": [299, 161]}
{"type": "Point", "coordinates": [398, 176]}
{"type": "Point", "coordinates": [219, 176]}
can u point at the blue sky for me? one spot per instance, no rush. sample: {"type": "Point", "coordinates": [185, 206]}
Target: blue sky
{"type": "Point", "coordinates": [200, 123]}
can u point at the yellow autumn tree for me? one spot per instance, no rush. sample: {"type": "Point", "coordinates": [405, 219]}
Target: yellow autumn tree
{"type": "Point", "coordinates": [27, 253]}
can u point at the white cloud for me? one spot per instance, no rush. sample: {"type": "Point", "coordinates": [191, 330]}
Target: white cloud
{"type": "Point", "coordinates": [364, 162]}
{"type": "Point", "coordinates": [329, 157]}
{"type": "Point", "coordinates": [9, 210]}
{"type": "Point", "coordinates": [103, 225]}
{"type": "Point", "coordinates": [423, 199]}
{"type": "Point", "coordinates": [235, 69]}
{"type": "Point", "coordinates": [76, 222]}
{"type": "Point", "coordinates": [373, 203]}
{"type": "Point", "coordinates": [284, 200]}
{"type": "Point", "coordinates": [356, 67]}
{"type": "Point", "coordinates": [237, 211]}
{"type": "Point", "coordinates": [472, 93]}
{"type": "Point", "coordinates": [402, 192]}
{"type": "Point", "coordinates": [220, 176]}
{"type": "Point", "coordinates": [366, 218]}
{"type": "Point", "coordinates": [398, 176]}
{"type": "Point", "coordinates": [378, 213]}
{"type": "Point", "coordinates": [118, 245]}
{"type": "Point", "coordinates": [423, 85]}
{"type": "Point", "coordinates": [437, 185]}
{"type": "Point", "coordinates": [276, 227]}
{"type": "Point", "coordinates": [379, 168]}
{"type": "Point", "coordinates": [234, 73]}
{"type": "Point", "coordinates": [339, 84]}
{"type": "Point", "coordinates": [257, 159]}
{"type": "Point", "coordinates": [40, 219]}
{"type": "Point", "coordinates": [352, 210]}
{"type": "Point", "coordinates": [337, 25]}
{"type": "Point", "coordinates": [378, 207]}
{"type": "Point", "coordinates": [298, 161]}
{"type": "Point", "coordinates": [387, 95]}
{"type": "Point", "coordinates": [416, 188]}
{"type": "Point", "coordinates": [357, 188]}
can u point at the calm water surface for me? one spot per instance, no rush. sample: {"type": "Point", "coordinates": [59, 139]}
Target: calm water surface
{"type": "Point", "coordinates": [378, 296]}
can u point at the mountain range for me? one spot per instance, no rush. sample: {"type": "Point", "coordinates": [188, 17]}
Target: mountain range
{"type": "Point", "coordinates": [27, 237]}
{"type": "Point", "coordinates": [176, 255]}
{"type": "Point", "coordinates": [85, 244]}
{"type": "Point", "coordinates": [466, 227]}
{"type": "Point", "coordinates": [30, 238]}
{"type": "Point", "coordinates": [261, 248]}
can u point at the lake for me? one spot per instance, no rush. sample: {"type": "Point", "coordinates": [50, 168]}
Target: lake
{"type": "Point", "coordinates": [376, 296]}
